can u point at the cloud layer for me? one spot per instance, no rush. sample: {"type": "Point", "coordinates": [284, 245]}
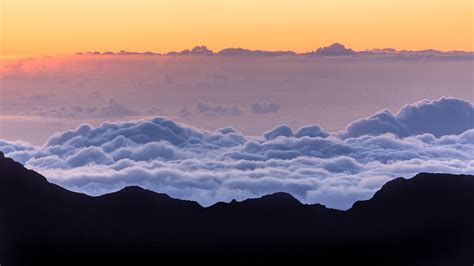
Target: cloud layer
{"type": "Point", "coordinates": [335, 49]}
{"type": "Point", "coordinates": [442, 117]}
{"type": "Point", "coordinates": [209, 166]}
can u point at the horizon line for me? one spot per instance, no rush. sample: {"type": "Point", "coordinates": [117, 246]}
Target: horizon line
{"type": "Point", "coordinates": [189, 51]}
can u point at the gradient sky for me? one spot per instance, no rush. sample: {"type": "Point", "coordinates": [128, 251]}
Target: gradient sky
{"type": "Point", "coordinates": [354, 98]}
{"type": "Point", "coordinates": [50, 27]}
{"type": "Point", "coordinates": [41, 96]}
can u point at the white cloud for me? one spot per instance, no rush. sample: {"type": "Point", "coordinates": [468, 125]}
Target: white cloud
{"type": "Point", "coordinates": [210, 166]}
{"type": "Point", "coordinates": [441, 117]}
{"type": "Point", "coordinates": [283, 130]}
{"type": "Point", "coordinates": [210, 109]}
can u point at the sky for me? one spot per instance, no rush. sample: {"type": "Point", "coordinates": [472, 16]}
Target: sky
{"type": "Point", "coordinates": [52, 27]}
{"type": "Point", "coordinates": [40, 96]}
{"type": "Point", "coordinates": [329, 124]}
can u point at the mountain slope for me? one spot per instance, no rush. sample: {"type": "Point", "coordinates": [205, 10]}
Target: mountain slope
{"type": "Point", "coordinates": [425, 220]}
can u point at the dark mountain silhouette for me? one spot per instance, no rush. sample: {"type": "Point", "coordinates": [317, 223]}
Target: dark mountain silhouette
{"type": "Point", "coordinates": [425, 220]}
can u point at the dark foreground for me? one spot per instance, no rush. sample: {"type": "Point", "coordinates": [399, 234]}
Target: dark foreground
{"type": "Point", "coordinates": [425, 220]}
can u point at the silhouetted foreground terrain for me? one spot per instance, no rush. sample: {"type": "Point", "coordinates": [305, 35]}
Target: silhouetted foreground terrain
{"type": "Point", "coordinates": [425, 220]}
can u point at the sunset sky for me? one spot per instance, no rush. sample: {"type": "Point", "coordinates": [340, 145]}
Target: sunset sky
{"type": "Point", "coordinates": [330, 126]}
{"type": "Point", "coordinates": [51, 27]}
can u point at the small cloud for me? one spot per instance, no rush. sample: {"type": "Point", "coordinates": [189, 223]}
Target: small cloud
{"type": "Point", "coordinates": [213, 109]}
{"type": "Point", "coordinates": [203, 108]}
{"type": "Point", "coordinates": [335, 49]}
{"type": "Point", "coordinates": [247, 52]}
{"type": "Point", "coordinates": [184, 112]}
{"type": "Point", "coordinates": [197, 50]}
{"type": "Point", "coordinates": [265, 107]}
{"type": "Point", "coordinates": [42, 96]}
{"type": "Point", "coordinates": [111, 110]}
{"type": "Point", "coordinates": [115, 109]}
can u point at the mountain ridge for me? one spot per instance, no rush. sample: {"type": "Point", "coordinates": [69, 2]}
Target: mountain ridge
{"type": "Point", "coordinates": [424, 220]}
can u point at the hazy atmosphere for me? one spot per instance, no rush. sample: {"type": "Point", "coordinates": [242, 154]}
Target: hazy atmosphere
{"type": "Point", "coordinates": [251, 92]}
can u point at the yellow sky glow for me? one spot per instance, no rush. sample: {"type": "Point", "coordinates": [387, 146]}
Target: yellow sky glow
{"type": "Point", "coordinates": [49, 27]}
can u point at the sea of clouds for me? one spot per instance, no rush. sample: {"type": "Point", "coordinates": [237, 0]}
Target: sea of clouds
{"type": "Point", "coordinates": [332, 168]}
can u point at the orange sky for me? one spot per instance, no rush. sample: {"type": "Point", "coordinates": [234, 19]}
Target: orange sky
{"type": "Point", "coordinates": [49, 27]}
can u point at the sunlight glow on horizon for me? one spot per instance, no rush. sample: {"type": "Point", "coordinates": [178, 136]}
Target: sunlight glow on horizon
{"type": "Point", "coordinates": [52, 27]}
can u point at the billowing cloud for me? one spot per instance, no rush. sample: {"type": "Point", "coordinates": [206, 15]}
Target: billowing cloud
{"type": "Point", "coordinates": [311, 131]}
{"type": "Point", "coordinates": [335, 49]}
{"type": "Point", "coordinates": [440, 117]}
{"type": "Point", "coordinates": [210, 166]}
{"type": "Point", "coordinates": [281, 131]}
{"type": "Point", "coordinates": [197, 50]}
{"type": "Point", "coordinates": [265, 107]}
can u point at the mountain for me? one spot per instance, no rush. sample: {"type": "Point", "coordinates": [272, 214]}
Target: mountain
{"type": "Point", "coordinates": [425, 220]}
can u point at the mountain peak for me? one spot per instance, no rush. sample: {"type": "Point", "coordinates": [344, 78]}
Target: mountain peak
{"type": "Point", "coordinates": [132, 189]}
{"type": "Point", "coordinates": [278, 198]}
{"type": "Point", "coordinates": [136, 192]}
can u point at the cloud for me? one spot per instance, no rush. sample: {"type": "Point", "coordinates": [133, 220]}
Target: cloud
{"type": "Point", "coordinates": [115, 109]}
{"type": "Point", "coordinates": [211, 166]}
{"type": "Point", "coordinates": [283, 130]}
{"type": "Point", "coordinates": [197, 50]}
{"type": "Point", "coordinates": [247, 52]}
{"type": "Point", "coordinates": [41, 97]}
{"type": "Point", "coordinates": [335, 49]}
{"type": "Point", "coordinates": [439, 117]}
{"type": "Point", "coordinates": [311, 131]}
{"type": "Point", "coordinates": [122, 52]}
{"type": "Point", "coordinates": [265, 107]}
{"type": "Point", "coordinates": [89, 155]}
{"type": "Point", "coordinates": [417, 54]}
{"type": "Point", "coordinates": [111, 109]}
{"type": "Point", "coordinates": [210, 109]}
